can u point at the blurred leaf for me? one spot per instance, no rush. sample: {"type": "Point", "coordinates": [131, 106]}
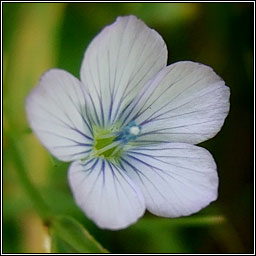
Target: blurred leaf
{"type": "Point", "coordinates": [165, 13]}
{"type": "Point", "coordinates": [27, 130]}
{"type": "Point", "coordinates": [58, 245]}
{"type": "Point", "coordinates": [68, 235]}
{"type": "Point", "coordinates": [54, 161]}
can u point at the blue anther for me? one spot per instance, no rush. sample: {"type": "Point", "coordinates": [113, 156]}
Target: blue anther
{"type": "Point", "coordinates": [129, 132]}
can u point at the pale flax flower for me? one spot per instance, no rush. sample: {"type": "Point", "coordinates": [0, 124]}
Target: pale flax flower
{"type": "Point", "coordinates": [130, 125]}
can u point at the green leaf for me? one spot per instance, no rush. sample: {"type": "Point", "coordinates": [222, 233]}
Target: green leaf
{"type": "Point", "coordinates": [55, 162]}
{"type": "Point", "coordinates": [69, 236]}
{"type": "Point", "coordinates": [60, 246]}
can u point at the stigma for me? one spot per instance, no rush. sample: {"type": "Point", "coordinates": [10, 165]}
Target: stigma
{"type": "Point", "coordinates": [128, 133]}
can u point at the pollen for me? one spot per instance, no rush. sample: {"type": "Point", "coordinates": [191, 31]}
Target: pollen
{"type": "Point", "coordinates": [135, 130]}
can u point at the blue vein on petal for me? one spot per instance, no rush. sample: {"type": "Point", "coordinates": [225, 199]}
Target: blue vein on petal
{"type": "Point", "coordinates": [99, 172]}
{"type": "Point", "coordinates": [180, 126]}
{"type": "Point", "coordinates": [100, 99]}
{"type": "Point", "coordinates": [65, 124]}
{"type": "Point", "coordinates": [169, 110]}
{"type": "Point", "coordinates": [172, 175]}
{"type": "Point", "coordinates": [75, 106]}
{"type": "Point", "coordinates": [114, 179]}
{"type": "Point", "coordinates": [61, 136]}
{"type": "Point", "coordinates": [131, 89]}
{"type": "Point", "coordinates": [67, 116]}
{"type": "Point", "coordinates": [168, 163]}
{"type": "Point", "coordinates": [60, 120]}
{"type": "Point", "coordinates": [139, 113]}
{"type": "Point", "coordinates": [89, 94]}
{"type": "Point", "coordinates": [149, 165]}
{"type": "Point", "coordinates": [159, 97]}
{"type": "Point", "coordinates": [149, 70]}
{"type": "Point", "coordinates": [80, 113]}
{"type": "Point", "coordinates": [124, 67]}
{"type": "Point", "coordinates": [123, 176]}
{"type": "Point", "coordinates": [89, 170]}
{"type": "Point", "coordinates": [137, 100]}
{"type": "Point", "coordinates": [154, 169]}
{"type": "Point", "coordinates": [139, 173]}
{"type": "Point", "coordinates": [76, 154]}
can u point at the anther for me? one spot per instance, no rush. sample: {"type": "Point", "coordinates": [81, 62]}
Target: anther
{"type": "Point", "coordinates": [129, 133]}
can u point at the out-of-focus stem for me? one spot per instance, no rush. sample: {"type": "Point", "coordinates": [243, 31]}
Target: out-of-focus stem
{"type": "Point", "coordinates": [31, 191]}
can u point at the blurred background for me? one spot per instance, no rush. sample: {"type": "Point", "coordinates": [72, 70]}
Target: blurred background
{"type": "Point", "coordinates": [39, 36]}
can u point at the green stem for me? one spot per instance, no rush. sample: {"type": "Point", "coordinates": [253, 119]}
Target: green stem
{"type": "Point", "coordinates": [35, 197]}
{"type": "Point", "coordinates": [185, 221]}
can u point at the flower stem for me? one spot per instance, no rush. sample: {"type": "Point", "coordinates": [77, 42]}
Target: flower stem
{"type": "Point", "coordinates": [35, 197]}
{"type": "Point", "coordinates": [186, 221]}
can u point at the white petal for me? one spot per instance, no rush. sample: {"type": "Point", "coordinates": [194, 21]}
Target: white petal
{"type": "Point", "coordinates": [56, 113]}
{"type": "Point", "coordinates": [186, 102]}
{"type": "Point", "coordinates": [118, 63]}
{"type": "Point", "coordinates": [106, 194]}
{"type": "Point", "coordinates": [177, 179]}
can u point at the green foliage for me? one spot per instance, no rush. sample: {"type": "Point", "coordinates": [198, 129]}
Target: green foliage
{"type": "Point", "coordinates": [68, 236]}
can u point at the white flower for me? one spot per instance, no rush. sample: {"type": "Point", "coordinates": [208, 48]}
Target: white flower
{"type": "Point", "coordinates": [129, 127]}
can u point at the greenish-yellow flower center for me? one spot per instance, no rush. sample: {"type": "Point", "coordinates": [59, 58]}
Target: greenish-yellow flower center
{"type": "Point", "coordinates": [105, 144]}
{"type": "Point", "coordinates": [109, 143]}
{"type": "Point", "coordinates": [102, 143]}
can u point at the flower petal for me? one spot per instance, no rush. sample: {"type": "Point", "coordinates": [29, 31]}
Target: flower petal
{"type": "Point", "coordinates": [177, 179]}
{"type": "Point", "coordinates": [118, 63]}
{"type": "Point", "coordinates": [105, 193]}
{"type": "Point", "coordinates": [56, 113]}
{"type": "Point", "coordinates": [186, 102]}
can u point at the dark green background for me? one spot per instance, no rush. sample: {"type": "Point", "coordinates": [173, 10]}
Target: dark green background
{"type": "Point", "coordinates": [37, 37]}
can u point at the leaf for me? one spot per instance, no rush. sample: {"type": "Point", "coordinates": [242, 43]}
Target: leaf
{"type": "Point", "coordinates": [55, 162]}
{"type": "Point", "coordinates": [69, 236]}
{"type": "Point", "coordinates": [60, 246]}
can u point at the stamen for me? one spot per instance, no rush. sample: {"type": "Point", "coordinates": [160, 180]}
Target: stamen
{"type": "Point", "coordinates": [116, 150]}
{"type": "Point", "coordinates": [106, 136]}
{"type": "Point", "coordinates": [110, 143]}
{"type": "Point", "coordinates": [102, 150]}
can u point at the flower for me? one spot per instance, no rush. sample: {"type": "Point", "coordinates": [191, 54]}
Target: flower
{"type": "Point", "coordinates": [130, 125]}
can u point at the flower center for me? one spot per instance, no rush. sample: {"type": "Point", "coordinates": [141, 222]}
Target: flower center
{"type": "Point", "coordinates": [105, 146]}
{"type": "Point", "coordinates": [109, 143]}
